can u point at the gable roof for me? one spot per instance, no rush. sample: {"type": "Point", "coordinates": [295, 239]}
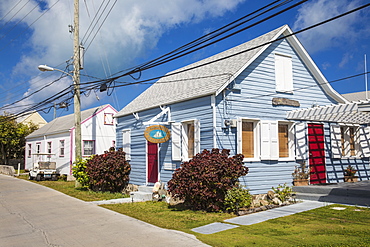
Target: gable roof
{"type": "Point", "coordinates": [219, 70]}
{"type": "Point", "coordinates": [65, 123]}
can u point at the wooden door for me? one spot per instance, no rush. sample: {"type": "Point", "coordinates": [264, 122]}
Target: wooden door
{"type": "Point", "coordinates": [152, 159]}
{"type": "Point", "coordinates": [316, 150]}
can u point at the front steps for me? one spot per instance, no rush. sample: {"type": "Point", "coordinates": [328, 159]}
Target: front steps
{"type": "Point", "coordinates": [343, 193]}
{"type": "Point", "coordinates": [143, 194]}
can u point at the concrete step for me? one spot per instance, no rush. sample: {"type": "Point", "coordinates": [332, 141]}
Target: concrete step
{"type": "Point", "coordinates": [352, 200]}
{"type": "Point", "coordinates": [146, 189]}
{"type": "Point", "coordinates": [333, 190]}
{"type": "Point", "coordinates": [139, 196]}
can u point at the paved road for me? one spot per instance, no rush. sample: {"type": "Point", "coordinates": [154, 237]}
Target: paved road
{"type": "Point", "coordinates": [33, 215]}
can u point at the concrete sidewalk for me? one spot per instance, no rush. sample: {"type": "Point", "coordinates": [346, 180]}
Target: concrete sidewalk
{"type": "Point", "coordinates": [255, 218]}
{"type": "Point", "coordinates": [34, 215]}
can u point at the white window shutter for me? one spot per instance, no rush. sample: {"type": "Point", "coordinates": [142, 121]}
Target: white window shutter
{"type": "Point", "coordinates": [288, 74]}
{"type": "Point", "coordinates": [365, 141]}
{"type": "Point", "coordinates": [126, 143]}
{"type": "Point", "coordinates": [283, 73]}
{"type": "Point", "coordinates": [265, 140]}
{"type": "Point", "coordinates": [274, 141]}
{"type": "Point", "coordinates": [301, 141]}
{"type": "Point", "coordinates": [196, 137]}
{"type": "Point", "coordinates": [239, 136]}
{"type": "Point", "coordinates": [176, 141]}
{"type": "Point", "coordinates": [336, 143]}
{"type": "Point", "coordinates": [279, 73]}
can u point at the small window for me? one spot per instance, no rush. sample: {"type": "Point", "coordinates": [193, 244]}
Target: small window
{"type": "Point", "coordinates": [283, 140]}
{"type": "Point", "coordinates": [89, 148]}
{"type": "Point", "coordinates": [38, 147]}
{"type": "Point", "coordinates": [248, 139]}
{"type": "Point", "coordinates": [29, 151]}
{"type": "Point", "coordinates": [61, 148]}
{"type": "Point", "coordinates": [108, 118]}
{"type": "Point", "coordinates": [190, 139]}
{"type": "Point", "coordinates": [349, 141]}
{"type": "Point", "coordinates": [49, 148]}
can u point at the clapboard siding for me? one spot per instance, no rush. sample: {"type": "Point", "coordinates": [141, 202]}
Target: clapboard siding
{"type": "Point", "coordinates": [335, 167]}
{"type": "Point", "coordinates": [254, 100]}
{"type": "Point", "coordinates": [196, 109]}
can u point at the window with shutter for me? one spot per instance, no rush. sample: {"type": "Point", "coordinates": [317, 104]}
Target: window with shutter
{"type": "Point", "coordinates": [185, 140]}
{"type": "Point", "coordinates": [247, 138]}
{"type": "Point", "coordinates": [283, 141]}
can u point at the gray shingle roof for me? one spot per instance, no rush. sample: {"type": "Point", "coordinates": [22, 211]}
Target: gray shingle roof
{"type": "Point", "coordinates": [63, 124]}
{"type": "Point", "coordinates": [356, 96]}
{"type": "Point", "coordinates": [200, 81]}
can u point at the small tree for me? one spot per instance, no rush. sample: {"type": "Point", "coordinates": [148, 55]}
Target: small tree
{"type": "Point", "coordinates": [204, 181]}
{"type": "Point", "coordinates": [79, 172]}
{"type": "Point", "coordinates": [108, 172]}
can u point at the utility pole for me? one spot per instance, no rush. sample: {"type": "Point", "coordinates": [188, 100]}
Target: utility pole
{"type": "Point", "coordinates": [76, 81]}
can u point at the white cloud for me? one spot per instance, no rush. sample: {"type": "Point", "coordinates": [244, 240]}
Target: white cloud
{"type": "Point", "coordinates": [336, 33]}
{"type": "Point", "coordinates": [130, 31]}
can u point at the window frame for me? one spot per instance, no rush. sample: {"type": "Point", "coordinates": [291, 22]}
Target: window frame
{"type": "Point", "coordinates": [185, 138]}
{"type": "Point", "coordinates": [108, 119]}
{"type": "Point", "coordinates": [347, 141]}
{"type": "Point", "coordinates": [61, 147]}
{"type": "Point", "coordinates": [84, 148]}
{"type": "Point", "coordinates": [38, 147]}
{"type": "Point", "coordinates": [29, 151]}
{"type": "Point", "coordinates": [256, 138]}
{"type": "Point", "coordinates": [291, 139]}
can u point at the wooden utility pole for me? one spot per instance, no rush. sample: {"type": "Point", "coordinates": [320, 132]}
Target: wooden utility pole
{"type": "Point", "coordinates": [76, 81]}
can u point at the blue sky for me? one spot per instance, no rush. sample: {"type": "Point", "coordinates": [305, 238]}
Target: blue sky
{"type": "Point", "coordinates": [37, 32]}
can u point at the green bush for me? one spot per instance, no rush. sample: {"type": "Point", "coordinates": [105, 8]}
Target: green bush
{"type": "Point", "coordinates": [108, 172]}
{"type": "Point", "coordinates": [204, 181]}
{"type": "Point", "coordinates": [237, 198]}
{"type": "Point", "coordinates": [284, 191]}
{"type": "Point", "coordinates": [79, 172]}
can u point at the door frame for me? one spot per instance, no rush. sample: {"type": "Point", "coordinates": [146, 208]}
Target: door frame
{"type": "Point", "coordinates": [323, 165]}
{"type": "Point", "coordinates": [147, 162]}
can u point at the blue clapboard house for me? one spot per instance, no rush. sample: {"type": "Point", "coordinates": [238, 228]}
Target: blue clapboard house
{"type": "Point", "coordinates": [265, 98]}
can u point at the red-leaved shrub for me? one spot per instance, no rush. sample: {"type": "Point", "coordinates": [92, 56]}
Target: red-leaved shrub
{"type": "Point", "coordinates": [204, 181]}
{"type": "Point", "coordinates": [108, 172]}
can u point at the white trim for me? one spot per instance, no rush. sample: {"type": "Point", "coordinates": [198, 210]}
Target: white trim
{"type": "Point", "coordinates": [214, 119]}
{"type": "Point", "coordinates": [256, 137]}
{"type": "Point", "coordinates": [164, 110]}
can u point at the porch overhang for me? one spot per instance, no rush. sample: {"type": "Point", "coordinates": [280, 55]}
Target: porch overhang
{"type": "Point", "coordinates": [349, 113]}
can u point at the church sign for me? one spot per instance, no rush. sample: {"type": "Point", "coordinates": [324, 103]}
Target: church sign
{"type": "Point", "coordinates": [157, 134]}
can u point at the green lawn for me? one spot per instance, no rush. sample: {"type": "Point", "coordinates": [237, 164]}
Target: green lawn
{"type": "Point", "coordinates": [319, 227]}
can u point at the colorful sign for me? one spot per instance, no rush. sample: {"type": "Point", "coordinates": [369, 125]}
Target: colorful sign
{"type": "Point", "coordinates": [157, 134]}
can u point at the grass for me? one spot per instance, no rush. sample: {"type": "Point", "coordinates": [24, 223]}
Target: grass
{"type": "Point", "coordinates": [68, 188]}
{"type": "Point", "coordinates": [319, 227]}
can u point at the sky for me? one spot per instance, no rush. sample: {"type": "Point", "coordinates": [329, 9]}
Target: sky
{"type": "Point", "coordinates": [118, 35]}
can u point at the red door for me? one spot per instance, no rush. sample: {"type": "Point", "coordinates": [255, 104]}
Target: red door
{"type": "Point", "coordinates": [317, 153]}
{"type": "Point", "coordinates": [152, 156]}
